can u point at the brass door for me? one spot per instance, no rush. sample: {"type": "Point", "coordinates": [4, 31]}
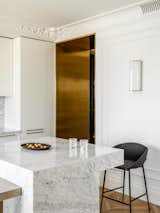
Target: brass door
{"type": "Point", "coordinates": [73, 89]}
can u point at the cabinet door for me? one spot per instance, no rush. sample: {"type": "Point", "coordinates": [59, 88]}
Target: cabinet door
{"type": "Point", "coordinates": [36, 68]}
{"type": "Point", "coordinates": [6, 66]}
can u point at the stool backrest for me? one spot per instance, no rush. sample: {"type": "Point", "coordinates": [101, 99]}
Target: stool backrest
{"type": "Point", "coordinates": [133, 151]}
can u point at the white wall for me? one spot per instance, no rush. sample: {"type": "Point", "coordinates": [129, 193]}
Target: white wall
{"type": "Point", "coordinates": [122, 116]}
{"type": "Point", "coordinates": [129, 117]}
{"type": "Point", "coordinates": [132, 116]}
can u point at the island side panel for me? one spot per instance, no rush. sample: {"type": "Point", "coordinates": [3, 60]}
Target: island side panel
{"type": "Point", "coordinates": [69, 189]}
{"type": "Point", "coordinates": [73, 188]}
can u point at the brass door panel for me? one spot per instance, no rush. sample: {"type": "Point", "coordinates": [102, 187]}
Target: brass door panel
{"type": "Point", "coordinates": [73, 89]}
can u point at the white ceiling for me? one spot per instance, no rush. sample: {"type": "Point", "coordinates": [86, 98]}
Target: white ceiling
{"type": "Point", "coordinates": [55, 13]}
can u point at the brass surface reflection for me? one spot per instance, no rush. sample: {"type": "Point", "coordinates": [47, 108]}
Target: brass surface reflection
{"type": "Point", "coordinates": [73, 89]}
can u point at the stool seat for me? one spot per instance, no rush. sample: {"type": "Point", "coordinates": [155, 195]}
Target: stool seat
{"type": "Point", "coordinates": [8, 190]}
{"type": "Point", "coordinates": [127, 165]}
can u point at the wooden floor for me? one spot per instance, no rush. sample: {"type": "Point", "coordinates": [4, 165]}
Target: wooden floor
{"type": "Point", "coordinates": [138, 206]}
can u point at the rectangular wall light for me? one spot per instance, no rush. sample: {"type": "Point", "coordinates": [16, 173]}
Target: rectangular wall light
{"type": "Point", "coordinates": [135, 83]}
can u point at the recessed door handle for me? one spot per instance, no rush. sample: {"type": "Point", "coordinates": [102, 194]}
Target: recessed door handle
{"type": "Point", "coordinates": [34, 131]}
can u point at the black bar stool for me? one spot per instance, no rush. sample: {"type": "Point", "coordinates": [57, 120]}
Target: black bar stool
{"type": "Point", "coordinates": [134, 157]}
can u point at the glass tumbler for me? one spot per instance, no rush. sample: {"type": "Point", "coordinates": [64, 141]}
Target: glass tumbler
{"type": "Point", "coordinates": [84, 143]}
{"type": "Point", "coordinates": [72, 143]}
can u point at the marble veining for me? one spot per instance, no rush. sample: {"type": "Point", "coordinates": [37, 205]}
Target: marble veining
{"type": "Point", "coordinates": [60, 180]}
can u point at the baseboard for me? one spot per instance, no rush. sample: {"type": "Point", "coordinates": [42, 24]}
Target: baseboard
{"type": "Point", "coordinates": [115, 177]}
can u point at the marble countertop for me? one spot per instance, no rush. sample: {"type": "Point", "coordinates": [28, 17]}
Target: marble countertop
{"type": "Point", "coordinates": [8, 132]}
{"type": "Point", "coordinates": [59, 155]}
{"type": "Point", "coordinates": [46, 177]}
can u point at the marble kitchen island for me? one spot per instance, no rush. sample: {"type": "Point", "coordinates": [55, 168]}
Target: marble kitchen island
{"type": "Point", "coordinates": [59, 180]}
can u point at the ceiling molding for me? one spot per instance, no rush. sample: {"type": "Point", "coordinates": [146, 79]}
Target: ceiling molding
{"type": "Point", "coordinates": [37, 32]}
{"type": "Point", "coordinates": [122, 22]}
{"type": "Point", "coordinates": [106, 14]}
{"type": "Point", "coordinates": [102, 22]}
{"type": "Point", "coordinates": [151, 6]}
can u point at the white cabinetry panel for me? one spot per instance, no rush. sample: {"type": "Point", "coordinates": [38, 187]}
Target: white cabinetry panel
{"type": "Point", "coordinates": [6, 66]}
{"type": "Point", "coordinates": [35, 66]}
{"type": "Point", "coordinates": [32, 102]}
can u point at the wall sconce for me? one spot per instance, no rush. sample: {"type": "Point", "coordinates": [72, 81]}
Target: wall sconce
{"type": "Point", "coordinates": [135, 83]}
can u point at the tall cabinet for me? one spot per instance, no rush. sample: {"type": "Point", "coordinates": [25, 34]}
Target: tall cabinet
{"type": "Point", "coordinates": [6, 66]}
{"type": "Point", "coordinates": [33, 83]}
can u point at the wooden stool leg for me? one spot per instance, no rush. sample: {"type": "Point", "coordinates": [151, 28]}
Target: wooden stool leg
{"type": "Point", "coordinates": [1, 207]}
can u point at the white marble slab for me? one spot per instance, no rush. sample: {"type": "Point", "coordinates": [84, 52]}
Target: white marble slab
{"type": "Point", "coordinates": [59, 180]}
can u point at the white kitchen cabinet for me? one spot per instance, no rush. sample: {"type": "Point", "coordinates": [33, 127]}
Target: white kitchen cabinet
{"type": "Point", "coordinates": [6, 66]}
{"type": "Point", "coordinates": [35, 83]}
{"type": "Point", "coordinates": [36, 69]}
{"type": "Point", "coordinates": [33, 100]}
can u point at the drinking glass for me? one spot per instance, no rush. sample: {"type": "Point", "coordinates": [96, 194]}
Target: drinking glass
{"type": "Point", "coordinates": [72, 143]}
{"type": "Point", "coordinates": [83, 148]}
{"type": "Point", "coordinates": [84, 143]}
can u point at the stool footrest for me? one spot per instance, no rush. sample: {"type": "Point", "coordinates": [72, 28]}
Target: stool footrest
{"type": "Point", "coordinates": [122, 202]}
{"type": "Point", "coordinates": [116, 200]}
{"type": "Point", "coordinates": [111, 190]}
{"type": "Point", "coordinates": [136, 198]}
